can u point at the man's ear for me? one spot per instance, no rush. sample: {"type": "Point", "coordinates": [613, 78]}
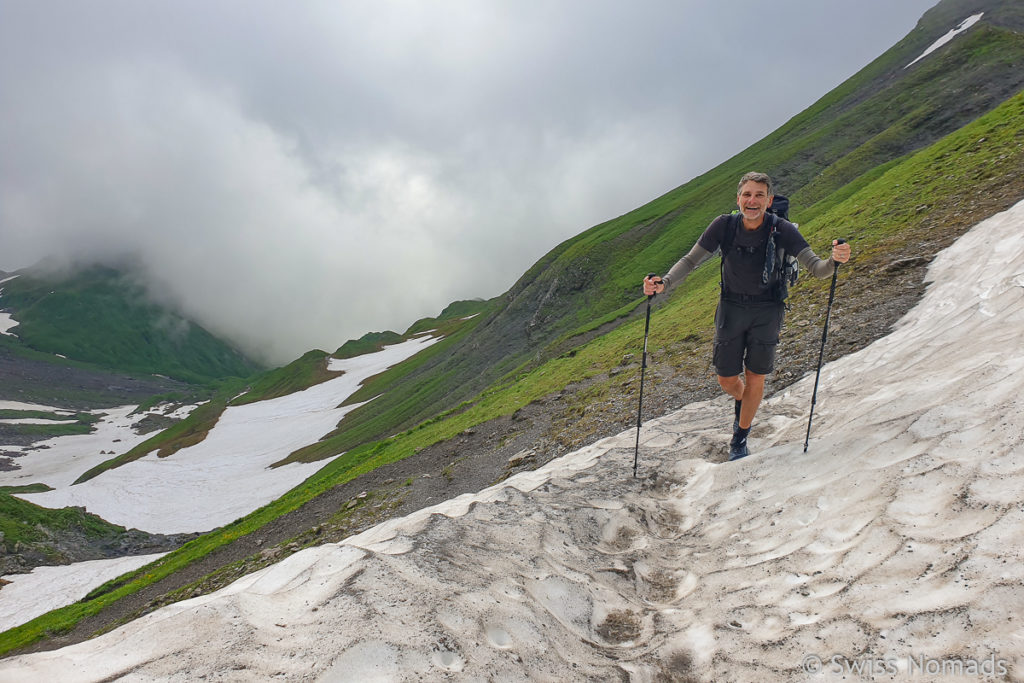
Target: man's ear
{"type": "Point", "coordinates": [771, 198]}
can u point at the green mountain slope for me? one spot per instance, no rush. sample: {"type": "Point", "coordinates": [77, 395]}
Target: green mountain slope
{"type": "Point", "coordinates": [589, 282]}
{"type": "Point", "coordinates": [101, 316]}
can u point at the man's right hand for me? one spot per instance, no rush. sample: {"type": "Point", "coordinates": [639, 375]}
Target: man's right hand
{"type": "Point", "coordinates": [653, 285]}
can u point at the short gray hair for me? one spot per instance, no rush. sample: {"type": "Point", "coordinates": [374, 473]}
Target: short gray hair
{"type": "Point", "coordinates": [762, 178]}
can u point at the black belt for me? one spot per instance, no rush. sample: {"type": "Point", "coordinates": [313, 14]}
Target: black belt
{"type": "Point", "coordinates": [749, 298]}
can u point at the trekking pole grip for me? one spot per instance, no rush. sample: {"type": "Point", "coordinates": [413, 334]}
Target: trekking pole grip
{"type": "Point", "coordinates": [649, 276]}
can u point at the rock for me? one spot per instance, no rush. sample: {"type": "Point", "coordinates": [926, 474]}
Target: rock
{"type": "Point", "coordinates": [521, 457]}
{"type": "Point", "coordinates": [901, 264]}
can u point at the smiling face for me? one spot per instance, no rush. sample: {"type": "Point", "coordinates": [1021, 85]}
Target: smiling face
{"type": "Point", "coordinates": [753, 200]}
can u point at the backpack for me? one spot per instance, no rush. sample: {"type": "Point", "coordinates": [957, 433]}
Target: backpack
{"type": "Point", "coordinates": [780, 268]}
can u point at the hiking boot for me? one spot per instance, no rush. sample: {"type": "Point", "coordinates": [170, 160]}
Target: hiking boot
{"type": "Point", "coordinates": [738, 450]}
{"type": "Point", "coordinates": [738, 446]}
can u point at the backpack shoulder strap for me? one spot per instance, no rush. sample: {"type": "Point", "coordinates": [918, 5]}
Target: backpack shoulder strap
{"type": "Point", "coordinates": [729, 234]}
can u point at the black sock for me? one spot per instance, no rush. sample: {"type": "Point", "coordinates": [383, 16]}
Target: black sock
{"type": "Point", "coordinates": [738, 404]}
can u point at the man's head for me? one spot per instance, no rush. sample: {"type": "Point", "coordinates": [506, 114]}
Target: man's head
{"type": "Point", "coordinates": [753, 197]}
{"type": "Point", "coordinates": [756, 177]}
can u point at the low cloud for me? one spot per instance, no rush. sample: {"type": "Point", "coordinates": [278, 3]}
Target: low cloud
{"type": "Point", "coordinates": [296, 176]}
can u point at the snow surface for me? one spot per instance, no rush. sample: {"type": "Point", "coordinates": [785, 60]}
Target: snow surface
{"type": "Point", "coordinates": [952, 33]}
{"type": "Point", "coordinates": [895, 541]}
{"type": "Point", "coordinates": [46, 588]}
{"type": "Point", "coordinates": [18, 405]}
{"type": "Point", "coordinates": [7, 323]}
{"type": "Point", "coordinates": [57, 462]}
{"type": "Point", "coordinates": [34, 421]}
{"type": "Point", "coordinates": [220, 479]}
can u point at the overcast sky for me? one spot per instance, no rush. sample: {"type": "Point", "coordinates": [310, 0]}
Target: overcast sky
{"type": "Point", "coordinates": [295, 174]}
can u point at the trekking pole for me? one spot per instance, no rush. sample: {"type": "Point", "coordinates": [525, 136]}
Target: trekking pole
{"type": "Point", "coordinates": [643, 366]}
{"type": "Point", "coordinates": [821, 353]}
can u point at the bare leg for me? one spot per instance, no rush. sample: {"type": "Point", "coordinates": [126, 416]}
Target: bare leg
{"type": "Point", "coordinates": [734, 386]}
{"type": "Point", "coordinates": [753, 392]}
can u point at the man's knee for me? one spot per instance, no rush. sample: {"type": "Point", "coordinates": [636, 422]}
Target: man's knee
{"type": "Point", "coordinates": [732, 385]}
{"type": "Point", "coordinates": [755, 378]}
{"type": "Point", "coordinates": [730, 382]}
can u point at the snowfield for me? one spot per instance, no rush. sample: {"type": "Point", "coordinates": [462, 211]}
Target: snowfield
{"type": "Point", "coordinates": [7, 323]}
{"type": "Point", "coordinates": [948, 36]}
{"type": "Point", "coordinates": [892, 549]}
{"type": "Point", "coordinates": [222, 478]}
{"type": "Point", "coordinates": [46, 588]}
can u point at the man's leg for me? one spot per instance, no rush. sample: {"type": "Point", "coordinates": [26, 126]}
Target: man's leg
{"type": "Point", "coordinates": [734, 385]}
{"type": "Point", "coordinates": [752, 394]}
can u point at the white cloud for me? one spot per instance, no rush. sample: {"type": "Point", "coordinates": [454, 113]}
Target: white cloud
{"type": "Point", "coordinates": [294, 176]}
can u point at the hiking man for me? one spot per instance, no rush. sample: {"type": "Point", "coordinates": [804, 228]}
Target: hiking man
{"type": "Point", "coordinates": [751, 307]}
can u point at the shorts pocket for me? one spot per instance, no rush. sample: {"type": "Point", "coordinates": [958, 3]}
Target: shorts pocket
{"type": "Point", "coordinates": [727, 357]}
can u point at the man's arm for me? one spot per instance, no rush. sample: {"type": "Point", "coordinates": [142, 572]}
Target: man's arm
{"type": "Point", "coordinates": [700, 253]}
{"type": "Point", "coordinates": [686, 265]}
{"type": "Point", "coordinates": [823, 267]}
{"type": "Point", "coordinates": [816, 266]}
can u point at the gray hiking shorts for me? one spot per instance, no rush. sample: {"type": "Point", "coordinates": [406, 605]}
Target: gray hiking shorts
{"type": "Point", "coordinates": [746, 335]}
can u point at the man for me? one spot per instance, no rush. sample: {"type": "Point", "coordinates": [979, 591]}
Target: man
{"type": "Point", "coordinates": [751, 308]}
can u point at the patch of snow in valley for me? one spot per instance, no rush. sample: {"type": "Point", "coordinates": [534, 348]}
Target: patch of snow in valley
{"type": "Point", "coordinates": [7, 323]}
{"type": "Point", "coordinates": [228, 474]}
{"type": "Point", "coordinates": [61, 460]}
{"type": "Point", "coordinates": [953, 33]}
{"type": "Point", "coordinates": [898, 538]}
{"type": "Point", "coordinates": [46, 588]}
{"type": "Point", "coordinates": [18, 405]}
{"type": "Point", "coordinates": [34, 421]}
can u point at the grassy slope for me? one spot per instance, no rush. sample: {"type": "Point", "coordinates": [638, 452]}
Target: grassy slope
{"type": "Point", "coordinates": [62, 425]}
{"type": "Point", "coordinates": [25, 524]}
{"type": "Point", "coordinates": [880, 210]}
{"type": "Point", "coordinates": [102, 317]}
